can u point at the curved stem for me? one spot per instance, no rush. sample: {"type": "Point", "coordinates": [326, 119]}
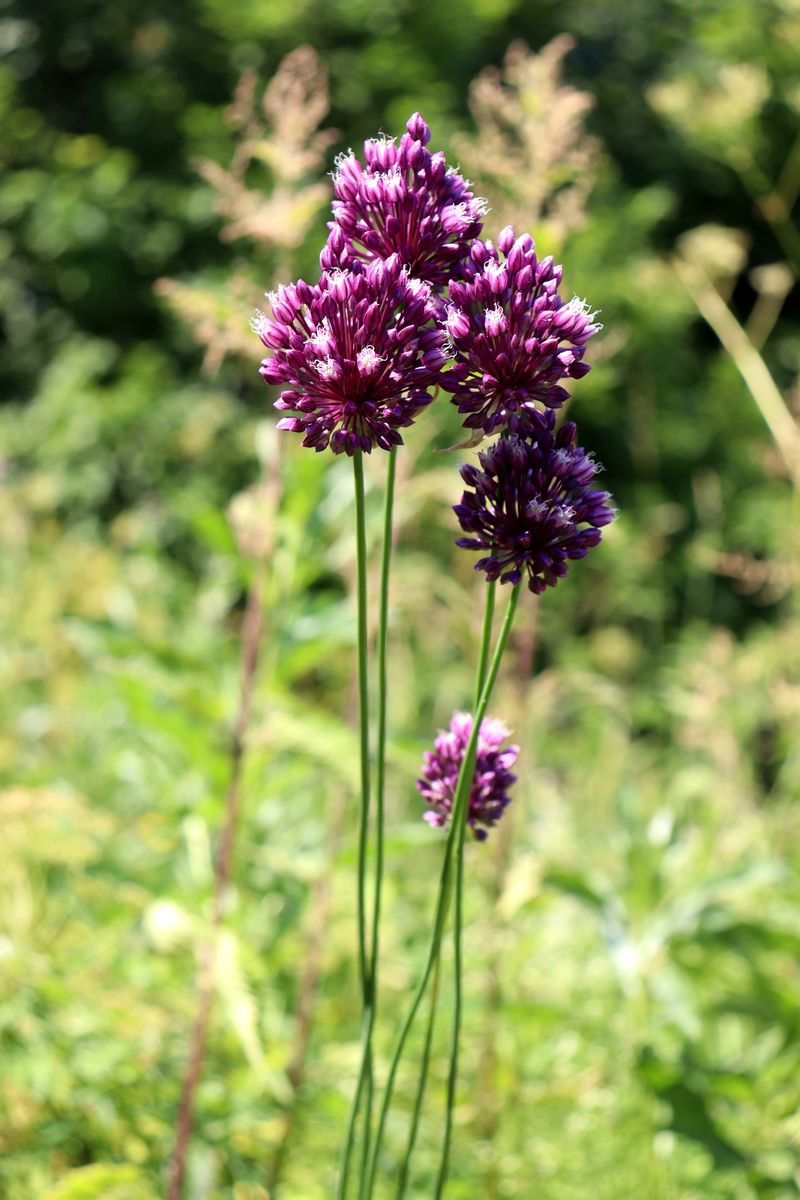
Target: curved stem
{"type": "Point", "coordinates": [433, 955]}
{"type": "Point", "coordinates": [458, 916]}
{"type": "Point", "coordinates": [423, 1079]}
{"type": "Point", "coordinates": [483, 663]}
{"type": "Point", "coordinates": [460, 805]}
{"type": "Point", "coordinates": [364, 969]}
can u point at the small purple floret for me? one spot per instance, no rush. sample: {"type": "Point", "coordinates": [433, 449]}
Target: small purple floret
{"type": "Point", "coordinates": [531, 508]}
{"type": "Point", "coordinates": [357, 353]}
{"type": "Point", "coordinates": [491, 781]}
{"type": "Point", "coordinates": [513, 338]}
{"type": "Point", "coordinates": [403, 200]}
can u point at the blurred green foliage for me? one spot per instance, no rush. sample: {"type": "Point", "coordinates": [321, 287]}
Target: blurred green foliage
{"type": "Point", "coordinates": [634, 926]}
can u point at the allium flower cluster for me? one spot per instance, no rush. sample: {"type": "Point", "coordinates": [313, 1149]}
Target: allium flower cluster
{"type": "Point", "coordinates": [491, 781]}
{"type": "Point", "coordinates": [513, 338]}
{"type": "Point", "coordinates": [531, 508]}
{"type": "Point", "coordinates": [403, 200]}
{"type": "Point", "coordinates": [355, 354]}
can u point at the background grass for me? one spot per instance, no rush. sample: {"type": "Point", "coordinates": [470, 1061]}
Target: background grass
{"type": "Point", "coordinates": [631, 1024]}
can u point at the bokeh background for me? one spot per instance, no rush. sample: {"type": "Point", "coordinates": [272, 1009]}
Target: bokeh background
{"type": "Point", "coordinates": [631, 1024]}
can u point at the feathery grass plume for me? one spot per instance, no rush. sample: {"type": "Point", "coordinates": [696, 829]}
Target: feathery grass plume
{"type": "Point", "coordinates": [213, 315]}
{"type": "Point", "coordinates": [717, 105]}
{"type": "Point", "coordinates": [531, 155]}
{"type": "Point", "coordinates": [266, 194]}
{"type": "Point", "coordinates": [288, 142]}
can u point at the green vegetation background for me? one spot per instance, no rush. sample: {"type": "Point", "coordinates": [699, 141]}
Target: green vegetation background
{"type": "Point", "coordinates": [632, 1015]}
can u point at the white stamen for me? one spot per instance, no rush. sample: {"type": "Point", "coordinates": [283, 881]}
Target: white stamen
{"type": "Point", "coordinates": [368, 360]}
{"type": "Point", "coordinates": [320, 338]}
{"type": "Point", "coordinates": [341, 159]}
{"type": "Point", "coordinates": [562, 515]}
{"type": "Point", "coordinates": [327, 368]}
{"type": "Point", "coordinates": [258, 322]}
{"type": "Point", "coordinates": [536, 509]}
{"type": "Point", "coordinates": [494, 321]}
{"type": "Point", "coordinates": [454, 317]}
{"type": "Point", "coordinates": [276, 295]}
{"type": "Point", "coordinates": [580, 307]}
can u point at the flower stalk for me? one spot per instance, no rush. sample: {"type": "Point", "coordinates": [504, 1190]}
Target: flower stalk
{"type": "Point", "coordinates": [458, 915]}
{"type": "Point", "coordinates": [460, 807]}
{"type": "Point", "coordinates": [364, 961]}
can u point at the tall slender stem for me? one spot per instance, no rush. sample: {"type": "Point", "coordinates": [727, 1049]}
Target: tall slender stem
{"type": "Point", "coordinates": [460, 804]}
{"type": "Point", "coordinates": [364, 968]}
{"type": "Point", "coordinates": [423, 1079]}
{"type": "Point", "coordinates": [432, 958]}
{"type": "Point", "coordinates": [483, 664]}
{"type": "Point", "coordinates": [486, 640]}
{"type": "Point", "coordinates": [380, 787]}
{"type": "Point", "coordinates": [363, 722]}
{"type": "Point", "coordinates": [458, 916]}
{"type": "Point", "coordinates": [251, 640]}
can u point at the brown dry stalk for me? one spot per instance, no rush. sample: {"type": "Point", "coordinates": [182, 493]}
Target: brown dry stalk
{"type": "Point", "coordinates": [251, 639]}
{"type": "Point", "coordinates": [748, 362]}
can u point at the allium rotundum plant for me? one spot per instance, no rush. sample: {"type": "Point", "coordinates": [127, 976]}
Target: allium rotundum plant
{"type": "Point", "coordinates": [409, 301]}
{"type": "Point", "coordinates": [514, 339]}
{"type": "Point", "coordinates": [530, 507]}
{"type": "Point", "coordinates": [358, 352]}
{"type": "Point", "coordinates": [491, 780]}
{"type": "Point", "coordinates": [403, 200]}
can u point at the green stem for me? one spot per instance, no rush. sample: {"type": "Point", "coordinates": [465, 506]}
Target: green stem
{"type": "Point", "coordinates": [363, 830]}
{"type": "Point", "coordinates": [483, 664]}
{"type": "Point", "coordinates": [460, 805]}
{"type": "Point", "coordinates": [486, 640]}
{"type": "Point", "coordinates": [380, 787]}
{"type": "Point", "coordinates": [423, 1079]}
{"type": "Point", "coordinates": [433, 955]}
{"type": "Point", "coordinates": [458, 917]}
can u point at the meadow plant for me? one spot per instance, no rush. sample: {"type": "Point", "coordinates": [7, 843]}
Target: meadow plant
{"type": "Point", "coordinates": [513, 337]}
{"type": "Point", "coordinates": [490, 782]}
{"type": "Point", "coordinates": [359, 355]}
{"type": "Point", "coordinates": [531, 153]}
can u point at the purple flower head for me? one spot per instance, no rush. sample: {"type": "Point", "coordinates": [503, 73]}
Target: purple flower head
{"type": "Point", "coordinates": [356, 352]}
{"type": "Point", "coordinates": [511, 335]}
{"type": "Point", "coordinates": [490, 783]}
{"type": "Point", "coordinates": [403, 200]}
{"type": "Point", "coordinates": [531, 507]}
